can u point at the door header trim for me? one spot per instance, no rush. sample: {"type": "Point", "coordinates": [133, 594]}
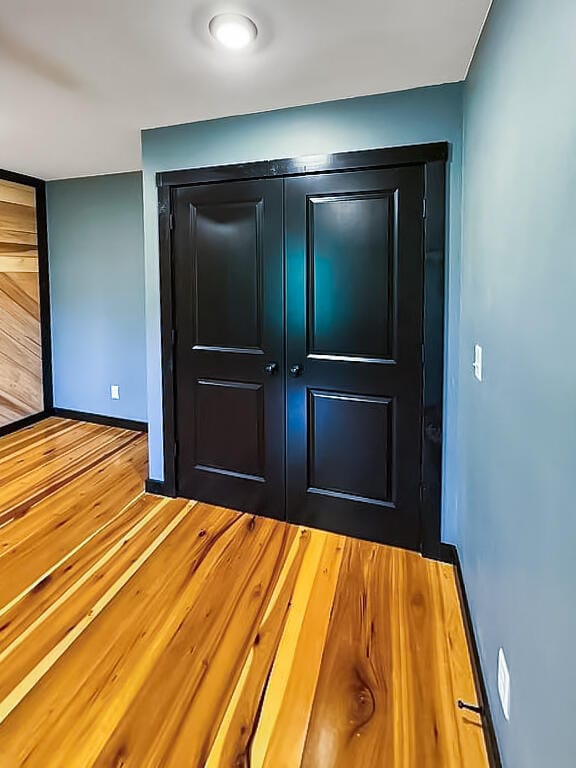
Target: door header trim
{"type": "Point", "coordinates": [416, 154]}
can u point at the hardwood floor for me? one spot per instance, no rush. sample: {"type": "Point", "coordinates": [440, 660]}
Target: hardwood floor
{"type": "Point", "coordinates": [145, 632]}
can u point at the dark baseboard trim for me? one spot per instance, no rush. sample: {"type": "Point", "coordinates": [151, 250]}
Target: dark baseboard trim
{"type": "Point", "coordinates": [445, 553]}
{"type": "Point", "coordinates": [159, 488]}
{"type": "Point", "coordinates": [23, 423]}
{"type": "Point", "coordinates": [95, 418]}
{"type": "Point", "coordinates": [450, 555]}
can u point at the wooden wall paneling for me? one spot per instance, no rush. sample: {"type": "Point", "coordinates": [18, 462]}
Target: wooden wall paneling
{"type": "Point", "coordinates": [21, 371]}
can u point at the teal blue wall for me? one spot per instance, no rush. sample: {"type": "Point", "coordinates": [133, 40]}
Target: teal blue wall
{"type": "Point", "coordinates": [409, 117]}
{"type": "Point", "coordinates": [518, 428]}
{"type": "Point", "coordinates": [97, 294]}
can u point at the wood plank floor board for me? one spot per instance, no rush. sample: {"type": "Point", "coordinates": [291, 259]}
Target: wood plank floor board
{"type": "Point", "coordinates": [20, 458]}
{"type": "Point", "coordinates": [34, 435]}
{"type": "Point", "coordinates": [46, 588]}
{"type": "Point", "coordinates": [38, 622]}
{"type": "Point", "coordinates": [280, 734]}
{"type": "Point", "coordinates": [57, 523]}
{"type": "Point", "coordinates": [183, 707]}
{"type": "Point", "coordinates": [55, 507]}
{"type": "Point", "coordinates": [143, 632]}
{"type": "Point", "coordinates": [454, 660]}
{"type": "Point", "coordinates": [234, 740]}
{"type": "Point", "coordinates": [34, 483]}
{"type": "Point", "coordinates": [103, 679]}
{"type": "Point", "coordinates": [354, 710]}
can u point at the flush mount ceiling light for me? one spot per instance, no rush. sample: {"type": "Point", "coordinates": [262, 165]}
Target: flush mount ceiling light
{"type": "Point", "coordinates": [233, 30]}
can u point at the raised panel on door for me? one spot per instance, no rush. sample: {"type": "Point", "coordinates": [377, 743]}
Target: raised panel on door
{"type": "Point", "coordinates": [228, 275]}
{"type": "Point", "coordinates": [335, 422]}
{"type": "Point", "coordinates": [354, 341]}
{"type": "Point", "coordinates": [228, 284]}
{"type": "Point", "coordinates": [350, 275]}
{"type": "Point", "coordinates": [236, 408]}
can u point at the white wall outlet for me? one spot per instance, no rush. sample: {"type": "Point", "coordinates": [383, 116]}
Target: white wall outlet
{"type": "Point", "coordinates": [115, 392]}
{"type": "Point", "coordinates": [504, 684]}
{"type": "Point", "coordinates": [477, 365]}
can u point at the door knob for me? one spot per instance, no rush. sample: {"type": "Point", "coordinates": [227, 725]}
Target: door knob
{"type": "Point", "coordinates": [270, 368]}
{"type": "Point", "coordinates": [295, 370]}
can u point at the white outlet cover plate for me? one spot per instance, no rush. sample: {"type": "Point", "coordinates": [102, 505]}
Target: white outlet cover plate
{"type": "Point", "coordinates": [478, 362]}
{"type": "Point", "coordinates": [504, 683]}
{"type": "Point", "coordinates": [115, 392]}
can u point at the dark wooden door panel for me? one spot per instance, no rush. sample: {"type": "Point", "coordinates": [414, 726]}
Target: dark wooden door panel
{"type": "Point", "coordinates": [354, 340]}
{"type": "Point", "coordinates": [350, 280]}
{"type": "Point", "coordinates": [236, 409]}
{"type": "Point", "coordinates": [228, 265]}
{"type": "Point", "coordinates": [228, 285]}
{"type": "Point", "coordinates": [337, 421]}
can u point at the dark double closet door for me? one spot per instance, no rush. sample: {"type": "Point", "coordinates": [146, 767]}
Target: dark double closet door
{"type": "Point", "coordinates": [298, 352]}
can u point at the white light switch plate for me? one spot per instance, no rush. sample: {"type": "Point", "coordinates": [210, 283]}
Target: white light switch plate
{"type": "Point", "coordinates": [504, 684]}
{"type": "Point", "coordinates": [115, 392]}
{"type": "Point", "coordinates": [477, 362]}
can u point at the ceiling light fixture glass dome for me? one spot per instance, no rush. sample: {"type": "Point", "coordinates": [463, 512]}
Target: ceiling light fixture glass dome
{"type": "Point", "coordinates": [233, 30]}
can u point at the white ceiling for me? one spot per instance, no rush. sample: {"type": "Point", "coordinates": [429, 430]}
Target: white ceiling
{"type": "Point", "coordinates": [80, 78]}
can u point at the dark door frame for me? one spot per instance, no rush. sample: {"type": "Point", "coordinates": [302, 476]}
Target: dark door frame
{"type": "Point", "coordinates": [432, 157]}
{"type": "Point", "coordinates": [44, 284]}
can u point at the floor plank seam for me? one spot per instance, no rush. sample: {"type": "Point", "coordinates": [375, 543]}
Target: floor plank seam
{"type": "Point", "coordinates": [10, 702]}
{"type": "Point", "coordinates": [4, 609]}
{"type": "Point", "coordinates": [143, 631]}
